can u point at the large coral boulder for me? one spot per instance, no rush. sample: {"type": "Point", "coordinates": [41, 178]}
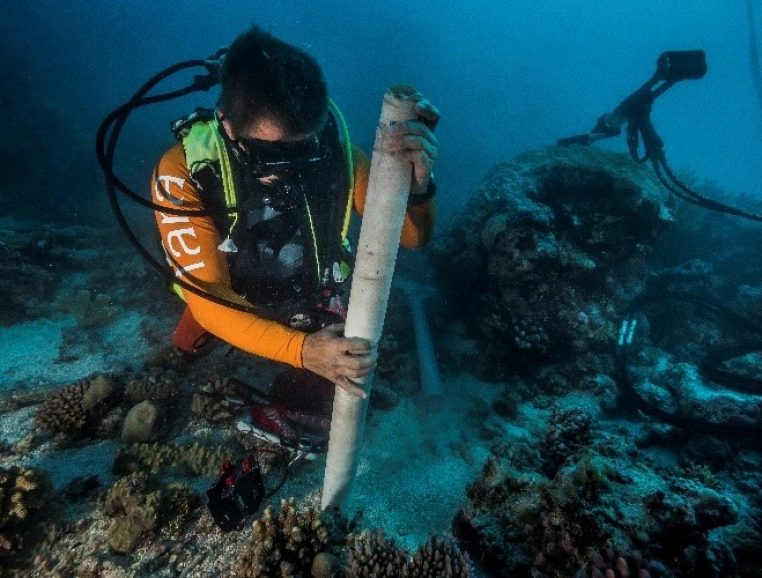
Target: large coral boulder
{"type": "Point", "coordinates": [549, 248]}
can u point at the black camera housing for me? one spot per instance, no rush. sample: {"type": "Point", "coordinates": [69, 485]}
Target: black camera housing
{"type": "Point", "coordinates": [237, 494]}
{"type": "Point", "coordinates": [675, 65]}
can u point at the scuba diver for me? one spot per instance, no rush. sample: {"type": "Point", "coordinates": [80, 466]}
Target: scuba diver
{"type": "Point", "coordinates": [253, 208]}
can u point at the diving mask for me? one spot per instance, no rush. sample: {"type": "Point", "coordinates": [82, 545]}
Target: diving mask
{"type": "Point", "coordinates": [262, 158]}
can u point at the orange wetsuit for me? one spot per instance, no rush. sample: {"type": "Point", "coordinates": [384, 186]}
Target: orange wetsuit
{"type": "Point", "coordinates": [192, 243]}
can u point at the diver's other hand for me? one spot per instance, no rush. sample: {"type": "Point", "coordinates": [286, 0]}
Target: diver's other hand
{"type": "Point", "coordinates": [337, 358]}
{"type": "Point", "coordinates": [415, 141]}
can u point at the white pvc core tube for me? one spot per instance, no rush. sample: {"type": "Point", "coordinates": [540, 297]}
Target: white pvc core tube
{"type": "Point", "coordinates": [385, 204]}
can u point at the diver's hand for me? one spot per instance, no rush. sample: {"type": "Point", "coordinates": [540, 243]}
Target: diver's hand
{"type": "Point", "coordinates": [414, 141]}
{"type": "Point", "coordinates": [337, 358]}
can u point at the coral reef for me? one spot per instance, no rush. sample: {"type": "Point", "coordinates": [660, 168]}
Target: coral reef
{"type": "Point", "coordinates": [72, 409]}
{"type": "Point", "coordinates": [517, 524]}
{"type": "Point", "coordinates": [568, 432]}
{"type": "Point", "coordinates": [24, 284]}
{"type": "Point", "coordinates": [439, 558]}
{"type": "Point", "coordinates": [614, 563]}
{"type": "Point", "coordinates": [139, 505]}
{"type": "Point", "coordinates": [284, 544]}
{"type": "Point", "coordinates": [90, 308]}
{"type": "Point", "coordinates": [154, 386]}
{"type": "Point", "coordinates": [547, 249]}
{"type": "Point", "coordinates": [22, 493]}
{"type": "Point", "coordinates": [373, 555]}
{"type": "Point", "coordinates": [195, 459]}
{"type": "Point", "coordinates": [680, 526]}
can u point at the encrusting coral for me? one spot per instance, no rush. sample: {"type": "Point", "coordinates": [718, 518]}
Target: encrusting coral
{"type": "Point", "coordinates": [133, 509]}
{"type": "Point", "coordinates": [71, 409]}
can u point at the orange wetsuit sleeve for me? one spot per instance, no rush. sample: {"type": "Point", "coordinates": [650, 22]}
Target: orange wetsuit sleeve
{"type": "Point", "coordinates": [190, 244]}
{"type": "Point", "coordinates": [419, 219]}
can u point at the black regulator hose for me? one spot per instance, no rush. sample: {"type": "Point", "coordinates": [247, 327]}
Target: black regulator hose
{"type": "Point", "coordinates": [709, 368]}
{"type": "Point", "coordinates": [105, 147]}
{"type": "Point", "coordinates": [635, 110]}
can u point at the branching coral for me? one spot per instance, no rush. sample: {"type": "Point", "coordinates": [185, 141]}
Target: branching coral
{"type": "Point", "coordinates": [195, 459]}
{"type": "Point", "coordinates": [22, 492]}
{"type": "Point", "coordinates": [211, 400]}
{"type": "Point", "coordinates": [373, 555]}
{"type": "Point", "coordinates": [439, 558]}
{"type": "Point", "coordinates": [284, 544]}
{"type": "Point", "coordinates": [71, 409]}
{"type": "Point", "coordinates": [295, 542]}
{"type": "Point", "coordinates": [152, 387]}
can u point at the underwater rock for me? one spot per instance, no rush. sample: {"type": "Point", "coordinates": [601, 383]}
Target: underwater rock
{"type": "Point", "coordinates": [549, 247]}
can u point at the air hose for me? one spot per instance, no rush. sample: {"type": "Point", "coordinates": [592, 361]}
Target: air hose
{"type": "Point", "coordinates": [106, 140]}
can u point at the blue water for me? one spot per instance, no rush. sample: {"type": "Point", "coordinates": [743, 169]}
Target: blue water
{"type": "Point", "coordinates": [507, 76]}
